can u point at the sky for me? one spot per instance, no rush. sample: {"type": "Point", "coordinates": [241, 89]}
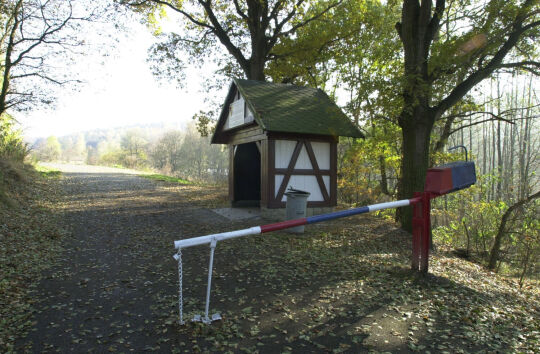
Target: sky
{"type": "Point", "coordinates": [119, 90]}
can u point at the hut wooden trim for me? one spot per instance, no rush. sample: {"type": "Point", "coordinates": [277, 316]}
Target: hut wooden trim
{"type": "Point", "coordinates": [274, 200]}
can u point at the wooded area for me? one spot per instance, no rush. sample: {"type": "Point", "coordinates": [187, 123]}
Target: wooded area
{"type": "Point", "coordinates": [416, 76]}
{"type": "Point", "coordinates": [415, 89]}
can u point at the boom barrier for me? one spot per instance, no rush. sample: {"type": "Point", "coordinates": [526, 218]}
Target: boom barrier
{"type": "Point", "coordinates": [439, 181]}
{"type": "Point", "coordinates": [201, 240]}
{"type": "Point", "coordinates": [213, 239]}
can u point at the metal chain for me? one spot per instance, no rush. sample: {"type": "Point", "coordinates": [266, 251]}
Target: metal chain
{"type": "Point", "coordinates": [180, 293]}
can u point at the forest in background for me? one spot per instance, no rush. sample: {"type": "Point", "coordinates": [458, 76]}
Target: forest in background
{"type": "Point", "coordinates": [181, 153]}
{"type": "Point", "coordinates": [493, 222]}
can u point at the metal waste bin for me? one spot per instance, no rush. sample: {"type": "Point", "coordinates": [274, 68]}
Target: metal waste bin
{"type": "Point", "coordinates": [296, 207]}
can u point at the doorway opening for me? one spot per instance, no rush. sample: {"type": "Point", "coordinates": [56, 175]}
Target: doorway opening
{"type": "Point", "coordinates": [247, 175]}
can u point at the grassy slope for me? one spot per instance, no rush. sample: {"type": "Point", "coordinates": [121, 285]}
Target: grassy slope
{"type": "Point", "coordinates": [29, 235]}
{"type": "Point", "coordinates": [164, 178]}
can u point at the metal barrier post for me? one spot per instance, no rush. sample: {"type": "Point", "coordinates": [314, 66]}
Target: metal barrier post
{"type": "Point", "coordinates": [426, 234]}
{"type": "Point", "coordinates": [421, 232]}
{"type": "Point", "coordinates": [417, 233]}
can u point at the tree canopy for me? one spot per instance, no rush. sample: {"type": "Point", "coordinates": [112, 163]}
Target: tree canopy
{"type": "Point", "coordinates": [38, 42]}
{"type": "Point", "coordinates": [247, 30]}
{"type": "Point", "coordinates": [406, 63]}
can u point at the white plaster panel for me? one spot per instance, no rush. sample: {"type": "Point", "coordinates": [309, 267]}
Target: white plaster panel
{"type": "Point", "coordinates": [284, 151]}
{"type": "Point", "coordinates": [305, 183]}
{"type": "Point", "coordinates": [322, 153]}
{"type": "Point", "coordinates": [303, 161]}
{"type": "Point", "coordinates": [326, 180]}
{"type": "Point", "coordinates": [236, 117]}
{"type": "Point", "coordinates": [249, 115]}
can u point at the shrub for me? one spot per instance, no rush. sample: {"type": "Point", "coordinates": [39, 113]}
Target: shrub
{"type": "Point", "coordinates": [12, 146]}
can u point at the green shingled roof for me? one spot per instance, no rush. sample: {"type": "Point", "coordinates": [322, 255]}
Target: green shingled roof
{"type": "Point", "coordinates": [294, 109]}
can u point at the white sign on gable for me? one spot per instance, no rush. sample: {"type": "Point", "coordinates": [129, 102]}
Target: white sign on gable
{"type": "Point", "coordinates": [236, 115]}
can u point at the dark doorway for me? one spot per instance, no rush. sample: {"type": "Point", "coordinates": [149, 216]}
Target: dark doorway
{"type": "Point", "coordinates": [247, 175]}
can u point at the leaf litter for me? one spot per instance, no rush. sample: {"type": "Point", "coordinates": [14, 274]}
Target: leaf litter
{"type": "Point", "coordinates": [343, 286]}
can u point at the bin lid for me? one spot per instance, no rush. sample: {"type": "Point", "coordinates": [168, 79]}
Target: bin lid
{"type": "Point", "coordinates": [292, 191]}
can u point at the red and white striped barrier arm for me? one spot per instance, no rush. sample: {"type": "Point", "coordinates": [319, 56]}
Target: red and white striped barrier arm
{"type": "Point", "coordinates": [201, 240]}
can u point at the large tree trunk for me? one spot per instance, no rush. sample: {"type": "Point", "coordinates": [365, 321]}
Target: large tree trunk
{"type": "Point", "coordinates": [417, 30]}
{"type": "Point", "coordinates": [416, 132]}
{"type": "Point", "coordinates": [12, 26]}
{"type": "Point", "coordinates": [384, 178]}
{"type": "Point", "coordinates": [256, 68]}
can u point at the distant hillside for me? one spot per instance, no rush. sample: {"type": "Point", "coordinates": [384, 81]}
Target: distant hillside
{"type": "Point", "coordinates": [92, 137]}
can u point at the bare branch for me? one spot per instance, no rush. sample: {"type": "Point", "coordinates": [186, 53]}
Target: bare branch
{"type": "Point", "coordinates": [528, 65]}
{"type": "Point", "coordinates": [174, 8]}
{"type": "Point", "coordinates": [239, 10]}
{"type": "Point", "coordinates": [44, 77]}
{"type": "Point", "coordinates": [496, 61]}
{"type": "Point", "coordinates": [223, 36]}
{"type": "Point", "coordinates": [499, 116]}
{"type": "Point", "coordinates": [494, 118]}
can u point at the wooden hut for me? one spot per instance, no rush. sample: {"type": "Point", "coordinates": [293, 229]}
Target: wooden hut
{"type": "Point", "coordinates": [281, 135]}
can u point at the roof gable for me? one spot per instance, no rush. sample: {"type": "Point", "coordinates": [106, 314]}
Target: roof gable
{"type": "Point", "coordinates": [290, 109]}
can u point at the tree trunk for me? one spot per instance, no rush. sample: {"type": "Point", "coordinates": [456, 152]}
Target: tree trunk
{"type": "Point", "coordinates": [384, 178]}
{"type": "Point", "coordinates": [495, 250]}
{"type": "Point", "coordinates": [484, 149]}
{"type": "Point", "coordinates": [499, 146]}
{"type": "Point", "coordinates": [493, 158]}
{"type": "Point", "coordinates": [256, 68]}
{"type": "Point", "coordinates": [415, 160]}
{"type": "Point", "coordinates": [15, 24]}
{"type": "Point", "coordinates": [417, 29]}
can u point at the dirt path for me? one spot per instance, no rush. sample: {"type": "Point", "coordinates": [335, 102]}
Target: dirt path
{"type": "Point", "coordinates": [103, 292]}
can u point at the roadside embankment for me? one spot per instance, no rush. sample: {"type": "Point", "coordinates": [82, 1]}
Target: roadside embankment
{"type": "Point", "coordinates": [29, 239]}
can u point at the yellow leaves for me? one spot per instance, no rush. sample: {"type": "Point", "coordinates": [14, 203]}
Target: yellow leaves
{"type": "Point", "coordinates": [153, 24]}
{"type": "Point", "coordinates": [155, 16]}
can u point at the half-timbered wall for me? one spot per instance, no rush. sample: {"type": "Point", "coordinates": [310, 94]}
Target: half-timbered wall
{"type": "Point", "coordinates": [284, 152]}
{"type": "Point", "coordinates": [306, 164]}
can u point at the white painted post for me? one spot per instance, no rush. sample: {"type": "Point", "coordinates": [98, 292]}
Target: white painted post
{"type": "Point", "coordinates": [209, 285]}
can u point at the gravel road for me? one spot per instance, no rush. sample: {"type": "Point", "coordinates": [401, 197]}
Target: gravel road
{"type": "Point", "coordinates": [115, 287]}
